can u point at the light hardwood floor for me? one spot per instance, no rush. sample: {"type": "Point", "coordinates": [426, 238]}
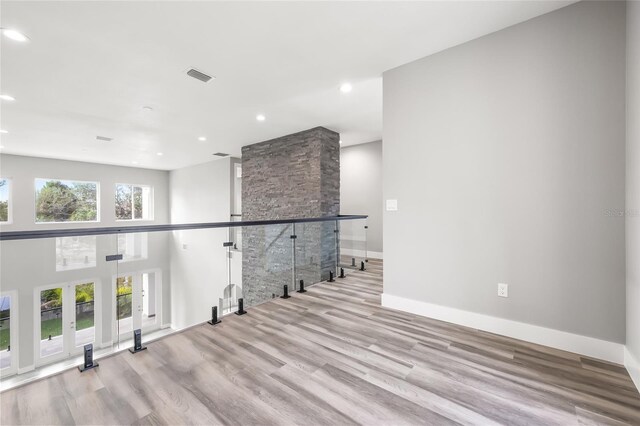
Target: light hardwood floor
{"type": "Point", "coordinates": [333, 356]}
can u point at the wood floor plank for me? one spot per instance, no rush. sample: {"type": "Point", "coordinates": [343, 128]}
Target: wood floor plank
{"type": "Point", "coordinates": [333, 356]}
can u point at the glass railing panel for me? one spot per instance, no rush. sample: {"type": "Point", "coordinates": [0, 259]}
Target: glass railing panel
{"type": "Point", "coordinates": [228, 301]}
{"type": "Point", "coordinates": [235, 233]}
{"type": "Point", "coordinates": [308, 254]}
{"type": "Point", "coordinates": [353, 243]}
{"type": "Point", "coordinates": [197, 276]}
{"type": "Point", "coordinates": [60, 292]}
{"type": "Point", "coordinates": [267, 258]}
{"type": "Point", "coordinates": [54, 298]}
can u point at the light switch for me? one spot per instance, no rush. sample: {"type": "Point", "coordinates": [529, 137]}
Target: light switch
{"type": "Point", "coordinates": [392, 205]}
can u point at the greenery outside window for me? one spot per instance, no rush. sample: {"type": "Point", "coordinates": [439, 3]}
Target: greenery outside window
{"type": "Point", "coordinates": [134, 202]}
{"type": "Point", "coordinates": [66, 201]}
{"type": "Point", "coordinates": [5, 201]}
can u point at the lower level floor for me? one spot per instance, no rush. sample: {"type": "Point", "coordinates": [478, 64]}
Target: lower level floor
{"type": "Point", "coordinates": [333, 355]}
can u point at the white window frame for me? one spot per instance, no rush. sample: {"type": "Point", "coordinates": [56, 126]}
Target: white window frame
{"type": "Point", "coordinates": [9, 202]}
{"type": "Point", "coordinates": [13, 334]}
{"type": "Point", "coordinates": [152, 209]}
{"type": "Point", "coordinates": [35, 199]}
{"type": "Point", "coordinates": [67, 351]}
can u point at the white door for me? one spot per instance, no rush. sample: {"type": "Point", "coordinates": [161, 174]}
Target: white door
{"type": "Point", "coordinates": [137, 304]}
{"type": "Point", "coordinates": [66, 319]}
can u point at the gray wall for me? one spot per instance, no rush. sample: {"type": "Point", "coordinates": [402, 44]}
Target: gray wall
{"type": "Point", "coordinates": [29, 264]}
{"type": "Point", "coordinates": [507, 156]}
{"type": "Point", "coordinates": [633, 186]}
{"type": "Point", "coordinates": [297, 175]}
{"type": "Point", "coordinates": [361, 187]}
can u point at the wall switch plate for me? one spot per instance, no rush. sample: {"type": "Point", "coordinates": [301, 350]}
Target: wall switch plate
{"type": "Point", "coordinates": [392, 205]}
{"type": "Point", "coordinates": [503, 290]}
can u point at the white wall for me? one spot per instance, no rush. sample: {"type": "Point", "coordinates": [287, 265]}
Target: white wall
{"type": "Point", "coordinates": [506, 155]}
{"type": "Point", "coordinates": [29, 264]}
{"type": "Point", "coordinates": [200, 193]}
{"type": "Point", "coordinates": [633, 191]}
{"type": "Point", "coordinates": [361, 187]}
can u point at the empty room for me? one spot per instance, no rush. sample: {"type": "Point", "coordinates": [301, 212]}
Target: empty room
{"type": "Point", "coordinates": [320, 212]}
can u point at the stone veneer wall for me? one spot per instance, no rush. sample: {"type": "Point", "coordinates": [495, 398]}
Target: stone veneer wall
{"type": "Point", "coordinates": [292, 176]}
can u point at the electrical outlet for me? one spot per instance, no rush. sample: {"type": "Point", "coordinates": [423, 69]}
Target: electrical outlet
{"type": "Point", "coordinates": [503, 290]}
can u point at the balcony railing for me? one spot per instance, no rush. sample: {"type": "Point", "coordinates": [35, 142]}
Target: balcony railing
{"type": "Point", "coordinates": [177, 274]}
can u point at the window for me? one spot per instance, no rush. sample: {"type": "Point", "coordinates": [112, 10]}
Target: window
{"type": "Point", "coordinates": [75, 252]}
{"type": "Point", "coordinates": [5, 199]}
{"type": "Point", "coordinates": [134, 202]}
{"type": "Point", "coordinates": [5, 332]}
{"type": "Point", "coordinates": [66, 201]}
{"type": "Point", "coordinates": [133, 246]}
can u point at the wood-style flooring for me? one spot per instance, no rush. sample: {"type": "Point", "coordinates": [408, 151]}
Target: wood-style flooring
{"type": "Point", "coordinates": [333, 356]}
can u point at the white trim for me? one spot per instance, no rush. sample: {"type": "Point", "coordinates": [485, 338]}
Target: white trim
{"type": "Point", "coordinates": [361, 253]}
{"type": "Point", "coordinates": [75, 222]}
{"type": "Point", "coordinates": [589, 346]}
{"type": "Point", "coordinates": [9, 202]}
{"type": "Point", "coordinates": [633, 367]}
{"type": "Point", "coordinates": [14, 336]}
{"type": "Point", "coordinates": [22, 370]}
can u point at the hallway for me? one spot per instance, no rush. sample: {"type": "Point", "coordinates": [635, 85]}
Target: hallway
{"type": "Point", "coordinates": [333, 356]}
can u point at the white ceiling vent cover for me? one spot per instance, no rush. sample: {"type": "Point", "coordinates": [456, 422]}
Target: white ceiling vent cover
{"type": "Point", "coordinates": [104, 138]}
{"type": "Point", "coordinates": [198, 75]}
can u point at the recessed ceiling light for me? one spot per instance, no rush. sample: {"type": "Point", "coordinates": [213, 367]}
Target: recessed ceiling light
{"type": "Point", "coordinates": [7, 98]}
{"type": "Point", "coordinates": [3, 131]}
{"type": "Point", "coordinates": [14, 35]}
{"type": "Point", "coordinates": [202, 139]}
{"type": "Point", "coordinates": [160, 154]}
{"type": "Point", "coordinates": [340, 141]}
{"type": "Point", "coordinates": [1, 146]}
{"type": "Point", "coordinates": [134, 162]}
{"type": "Point", "coordinates": [260, 117]}
{"type": "Point", "coordinates": [346, 88]}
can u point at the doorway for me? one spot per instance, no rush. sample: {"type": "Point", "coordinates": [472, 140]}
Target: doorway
{"type": "Point", "coordinates": [137, 304]}
{"type": "Point", "coordinates": [67, 318]}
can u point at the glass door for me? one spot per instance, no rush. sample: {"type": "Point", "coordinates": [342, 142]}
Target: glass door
{"type": "Point", "coordinates": [83, 322]}
{"type": "Point", "coordinates": [124, 307]}
{"type": "Point", "coordinates": [138, 296]}
{"type": "Point", "coordinates": [66, 319]}
{"type": "Point", "coordinates": [51, 323]}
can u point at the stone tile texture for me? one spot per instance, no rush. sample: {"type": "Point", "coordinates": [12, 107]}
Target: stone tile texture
{"type": "Point", "coordinates": [293, 176]}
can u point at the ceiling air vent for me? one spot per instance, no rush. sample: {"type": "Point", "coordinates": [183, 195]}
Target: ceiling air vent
{"type": "Point", "coordinates": [198, 75]}
{"type": "Point", "coordinates": [104, 138]}
{"type": "Point", "coordinates": [221, 154]}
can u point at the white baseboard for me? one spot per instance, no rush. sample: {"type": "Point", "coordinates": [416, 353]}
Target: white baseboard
{"type": "Point", "coordinates": [584, 345]}
{"type": "Point", "coordinates": [360, 253]}
{"type": "Point", "coordinates": [26, 369]}
{"type": "Point", "coordinates": [633, 367]}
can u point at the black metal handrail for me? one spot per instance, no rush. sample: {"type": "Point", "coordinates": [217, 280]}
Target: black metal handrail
{"type": "Point", "coordinates": [74, 232]}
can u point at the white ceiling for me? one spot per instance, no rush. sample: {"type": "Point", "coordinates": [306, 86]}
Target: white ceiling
{"type": "Point", "coordinates": [90, 67]}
